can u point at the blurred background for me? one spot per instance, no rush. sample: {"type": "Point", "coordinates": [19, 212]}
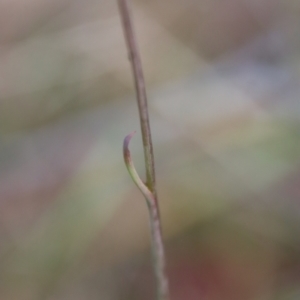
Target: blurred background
{"type": "Point", "coordinates": [223, 86]}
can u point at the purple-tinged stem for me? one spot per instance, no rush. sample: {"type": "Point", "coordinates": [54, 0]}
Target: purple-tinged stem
{"type": "Point", "coordinates": [149, 188]}
{"type": "Point", "coordinates": [156, 234]}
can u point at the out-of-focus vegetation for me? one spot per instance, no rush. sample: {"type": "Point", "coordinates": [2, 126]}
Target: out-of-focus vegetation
{"type": "Point", "coordinates": [223, 84]}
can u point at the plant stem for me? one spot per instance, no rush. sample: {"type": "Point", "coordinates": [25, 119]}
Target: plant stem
{"type": "Point", "coordinates": [139, 81]}
{"type": "Point", "coordinates": [156, 234]}
{"type": "Point", "coordinates": [148, 189]}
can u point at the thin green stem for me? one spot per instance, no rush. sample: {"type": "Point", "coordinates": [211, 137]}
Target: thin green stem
{"type": "Point", "coordinates": [135, 59]}
{"type": "Point", "coordinates": [156, 234]}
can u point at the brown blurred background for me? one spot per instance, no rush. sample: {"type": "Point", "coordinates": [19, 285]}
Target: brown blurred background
{"type": "Point", "coordinates": [223, 84]}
